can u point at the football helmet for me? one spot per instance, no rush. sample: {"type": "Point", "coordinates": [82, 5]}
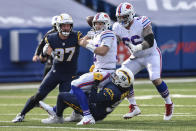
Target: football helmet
{"type": "Point", "coordinates": [53, 22]}
{"type": "Point", "coordinates": [123, 77]}
{"type": "Point", "coordinates": [102, 17]}
{"type": "Point", "coordinates": [125, 13]}
{"type": "Point", "coordinates": [64, 19]}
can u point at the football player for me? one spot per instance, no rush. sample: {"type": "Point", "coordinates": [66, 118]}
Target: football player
{"type": "Point", "coordinates": [104, 46]}
{"type": "Point", "coordinates": [137, 34]}
{"type": "Point", "coordinates": [101, 103]}
{"type": "Point", "coordinates": [38, 53]}
{"type": "Point", "coordinates": [65, 48]}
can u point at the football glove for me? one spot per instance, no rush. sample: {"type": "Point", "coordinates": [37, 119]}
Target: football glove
{"type": "Point", "coordinates": [91, 33]}
{"type": "Point", "coordinates": [133, 48]}
{"type": "Point", "coordinates": [91, 68]}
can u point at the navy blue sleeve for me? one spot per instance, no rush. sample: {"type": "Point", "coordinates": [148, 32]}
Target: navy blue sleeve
{"type": "Point", "coordinates": [107, 94]}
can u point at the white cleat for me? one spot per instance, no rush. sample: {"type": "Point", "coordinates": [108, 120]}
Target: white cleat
{"type": "Point", "coordinates": [169, 111]}
{"type": "Point", "coordinates": [86, 120]}
{"type": "Point", "coordinates": [47, 108]}
{"type": "Point", "coordinates": [74, 117]}
{"type": "Point", "coordinates": [134, 111]}
{"type": "Point", "coordinates": [19, 118]}
{"type": "Point", "coordinates": [53, 120]}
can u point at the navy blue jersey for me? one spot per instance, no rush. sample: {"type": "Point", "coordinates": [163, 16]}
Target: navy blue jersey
{"type": "Point", "coordinates": [65, 51]}
{"type": "Point", "coordinates": [103, 103]}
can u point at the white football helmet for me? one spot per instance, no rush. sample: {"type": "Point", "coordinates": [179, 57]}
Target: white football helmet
{"type": "Point", "coordinates": [54, 20]}
{"type": "Point", "coordinates": [64, 19]}
{"type": "Point", "coordinates": [123, 77]}
{"type": "Point", "coordinates": [102, 17]}
{"type": "Point", "coordinates": [125, 13]}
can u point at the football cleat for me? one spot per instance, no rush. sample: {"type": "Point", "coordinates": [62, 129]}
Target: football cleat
{"type": "Point", "coordinates": [52, 120]}
{"type": "Point", "coordinates": [169, 108]}
{"type": "Point", "coordinates": [74, 117]}
{"type": "Point", "coordinates": [47, 108]}
{"type": "Point", "coordinates": [86, 120]}
{"type": "Point", "coordinates": [19, 118]}
{"type": "Point", "coordinates": [134, 111]}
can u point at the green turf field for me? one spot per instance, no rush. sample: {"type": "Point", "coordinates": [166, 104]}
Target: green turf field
{"type": "Point", "coordinates": [148, 99]}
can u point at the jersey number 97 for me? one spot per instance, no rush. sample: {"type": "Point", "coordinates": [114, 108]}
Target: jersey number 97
{"type": "Point", "coordinates": [60, 53]}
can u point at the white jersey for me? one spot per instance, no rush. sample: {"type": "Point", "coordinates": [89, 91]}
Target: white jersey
{"type": "Point", "coordinates": [134, 34]}
{"type": "Point", "coordinates": [107, 38]}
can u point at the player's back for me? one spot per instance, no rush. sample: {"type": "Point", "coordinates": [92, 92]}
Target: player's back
{"type": "Point", "coordinates": [110, 59]}
{"type": "Point", "coordinates": [65, 51]}
{"type": "Point", "coordinates": [135, 34]}
{"type": "Point", "coordinates": [113, 97]}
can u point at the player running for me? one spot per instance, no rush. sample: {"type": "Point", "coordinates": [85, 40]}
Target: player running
{"type": "Point", "coordinates": [65, 48]}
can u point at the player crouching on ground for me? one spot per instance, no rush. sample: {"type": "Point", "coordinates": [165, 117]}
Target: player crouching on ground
{"type": "Point", "coordinates": [101, 103]}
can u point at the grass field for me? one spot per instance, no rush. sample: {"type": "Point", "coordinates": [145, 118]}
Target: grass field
{"type": "Point", "coordinates": [151, 104]}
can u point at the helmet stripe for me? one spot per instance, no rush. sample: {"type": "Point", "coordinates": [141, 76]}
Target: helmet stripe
{"type": "Point", "coordinates": [125, 73]}
{"type": "Point", "coordinates": [119, 9]}
{"type": "Point", "coordinates": [97, 16]}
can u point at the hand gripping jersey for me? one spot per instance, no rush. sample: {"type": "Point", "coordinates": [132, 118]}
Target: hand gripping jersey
{"type": "Point", "coordinates": [108, 39]}
{"type": "Point", "coordinates": [134, 34]}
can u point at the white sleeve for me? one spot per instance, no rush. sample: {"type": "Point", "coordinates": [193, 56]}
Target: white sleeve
{"type": "Point", "coordinates": [107, 41]}
{"type": "Point", "coordinates": [107, 38]}
{"type": "Point", "coordinates": [115, 28]}
{"type": "Point", "coordinates": [145, 21]}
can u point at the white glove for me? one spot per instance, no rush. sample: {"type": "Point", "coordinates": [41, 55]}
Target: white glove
{"type": "Point", "coordinates": [133, 48]}
{"type": "Point", "coordinates": [45, 49]}
{"type": "Point", "coordinates": [91, 33]}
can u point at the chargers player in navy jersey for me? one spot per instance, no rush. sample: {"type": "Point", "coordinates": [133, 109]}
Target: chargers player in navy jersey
{"type": "Point", "coordinates": [101, 103]}
{"type": "Point", "coordinates": [65, 49]}
{"type": "Point", "coordinates": [38, 53]}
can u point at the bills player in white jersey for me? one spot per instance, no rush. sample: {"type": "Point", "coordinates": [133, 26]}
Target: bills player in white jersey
{"type": "Point", "coordinates": [137, 34]}
{"type": "Point", "coordinates": [104, 46]}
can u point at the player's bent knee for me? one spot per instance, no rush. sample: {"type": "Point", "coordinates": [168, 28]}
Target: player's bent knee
{"type": "Point", "coordinates": [74, 83]}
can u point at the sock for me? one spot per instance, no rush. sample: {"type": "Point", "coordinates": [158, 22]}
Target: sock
{"type": "Point", "coordinates": [164, 92]}
{"type": "Point", "coordinates": [82, 99]}
{"type": "Point", "coordinates": [131, 97]}
{"type": "Point", "coordinates": [54, 108]}
{"type": "Point", "coordinates": [59, 108]}
{"type": "Point", "coordinates": [30, 104]}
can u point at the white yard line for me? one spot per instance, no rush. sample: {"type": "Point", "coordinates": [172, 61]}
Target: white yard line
{"type": "Point", "coordinates": [12, 86]}
{"type": "Point", "coordinates": [69, 128]}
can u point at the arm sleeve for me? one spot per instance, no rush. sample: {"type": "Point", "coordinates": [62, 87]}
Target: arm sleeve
{"type": "Point", "coordinates": [107, 38]}
{"type": "Point", "coordinates": [40, 47]}
{"type": "Point", "coordinates": [43, 43]}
